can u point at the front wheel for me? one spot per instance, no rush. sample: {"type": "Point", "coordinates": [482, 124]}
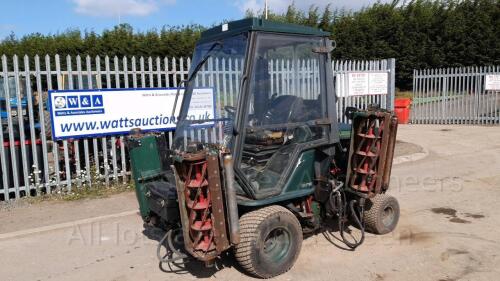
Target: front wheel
{"type": "Point", "coordinates": [381, 214]}
{"type": "Point", "coordinates": [271, 239]}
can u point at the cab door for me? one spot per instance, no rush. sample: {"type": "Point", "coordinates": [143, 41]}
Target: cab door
{"type": "Point", "coordinates": [286, 116]}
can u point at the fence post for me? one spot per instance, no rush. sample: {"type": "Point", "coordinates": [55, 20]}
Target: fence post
{"type": "Point", "coordinates": [3, 154]}
{"type": "Point", "coordinates": [10, 126]}
{"type": "Point", "coordinates": [392, 83]}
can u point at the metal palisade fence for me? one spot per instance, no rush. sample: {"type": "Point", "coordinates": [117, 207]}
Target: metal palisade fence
{"type": "Point", "coordinates": [31, 163]}
{"type": "Point", "coordinates": [455, 96]}
{"type": "Point", "coordinates": [341, 69]}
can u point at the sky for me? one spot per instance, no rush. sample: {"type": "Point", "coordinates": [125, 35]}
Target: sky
{"type": "Point", "coordinates": [52, 16]}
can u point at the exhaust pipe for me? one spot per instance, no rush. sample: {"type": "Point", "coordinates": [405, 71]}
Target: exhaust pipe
{"type": "Point", "coordinates": [232, 207]}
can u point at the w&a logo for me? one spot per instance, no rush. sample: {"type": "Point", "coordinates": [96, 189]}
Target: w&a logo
{"type": "Point", "coordinates": [75, 102]}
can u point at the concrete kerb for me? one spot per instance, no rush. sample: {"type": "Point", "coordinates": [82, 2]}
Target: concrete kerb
{"type": "Point", "coordinates": [411, 157]}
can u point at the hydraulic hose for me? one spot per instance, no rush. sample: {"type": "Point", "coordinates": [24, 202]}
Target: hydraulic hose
{"type": "Point", "coordinates": [360, 225]}
{"type": "Point", "coordinates": [336, 201]}
{"type": "Point", "coordinates": [170, 249]}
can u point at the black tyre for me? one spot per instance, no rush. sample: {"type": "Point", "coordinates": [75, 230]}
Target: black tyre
{"type": "Point", "coordinates": [271, 239]}
{"type": "Point", "coordinates": [381, 214]}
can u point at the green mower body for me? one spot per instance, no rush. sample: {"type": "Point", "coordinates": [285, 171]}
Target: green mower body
{"type": "Point", "coordinates": [268, 161]}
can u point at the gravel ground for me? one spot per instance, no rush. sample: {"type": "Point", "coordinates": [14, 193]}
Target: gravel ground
{"type": "Point", "coordinates": [448, 228]}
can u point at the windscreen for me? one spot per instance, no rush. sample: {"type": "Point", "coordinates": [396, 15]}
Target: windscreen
{"type": "Point", "coordinates": [209, 104]}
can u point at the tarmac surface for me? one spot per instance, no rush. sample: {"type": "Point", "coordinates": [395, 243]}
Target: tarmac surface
{"type": "Point", "coordinates": [448, 229]}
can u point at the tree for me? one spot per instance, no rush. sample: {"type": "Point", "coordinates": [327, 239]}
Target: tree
{"type": "Point", "coordinates": [418, 33]}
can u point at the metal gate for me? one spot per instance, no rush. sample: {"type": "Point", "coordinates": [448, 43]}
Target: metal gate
{"type": "Point", "coordinates": [454, 96]}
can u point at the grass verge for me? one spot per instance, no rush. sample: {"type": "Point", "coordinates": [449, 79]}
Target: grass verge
{"type": "Point", "coordinates": [81, 193]}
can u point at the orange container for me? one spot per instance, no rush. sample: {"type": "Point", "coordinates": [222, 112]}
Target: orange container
{"type": "Point", "coordinates": [402, 110]}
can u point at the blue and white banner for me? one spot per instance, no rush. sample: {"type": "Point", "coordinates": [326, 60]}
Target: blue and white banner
{"type": "Point", "coordinates": [90, 113]}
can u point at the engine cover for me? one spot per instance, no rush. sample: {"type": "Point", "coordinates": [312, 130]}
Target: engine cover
{"type": "Point", "coordinates": [162, 200]}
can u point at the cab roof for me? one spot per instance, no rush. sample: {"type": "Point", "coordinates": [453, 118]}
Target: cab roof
{"type": "Point", "coordinates": [256, 24]}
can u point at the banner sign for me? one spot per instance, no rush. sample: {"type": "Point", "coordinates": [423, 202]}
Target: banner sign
{"type": "Point", "coordinates": [90, 113]}
{"type": "Point", "coordinates": [367, 83]}
{"type": "Point", "coordinates": [492, 82]}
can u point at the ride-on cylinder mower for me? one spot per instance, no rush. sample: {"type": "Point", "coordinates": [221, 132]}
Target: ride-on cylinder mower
{"type": "Point", "coordinates": [270, 163]}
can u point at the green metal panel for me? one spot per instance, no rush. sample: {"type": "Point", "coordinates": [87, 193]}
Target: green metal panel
{"type": "Point", "coordinates": [146, 165]}
{"type": "Point", "coordinates": [256, 24]}
{"type": "Point", "coordinates": [275, 199]}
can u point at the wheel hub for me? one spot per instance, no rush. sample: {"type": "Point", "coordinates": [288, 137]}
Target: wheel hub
{"type": "Point", "coordinates": [277, 244]}
{"type": "Point", "coordinates": [388, 215]}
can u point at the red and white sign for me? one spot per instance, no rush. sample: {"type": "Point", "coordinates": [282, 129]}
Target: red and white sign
{"type": "Point", "coordinates": [367, 83]}
{"type": "Point", "coordinates": [492, 82]}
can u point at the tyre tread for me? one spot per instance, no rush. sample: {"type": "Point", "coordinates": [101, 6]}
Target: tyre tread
{"type": "Point", "coordinates": [249, 223]}
{"type": "Point", "coordinates": [371, 216]}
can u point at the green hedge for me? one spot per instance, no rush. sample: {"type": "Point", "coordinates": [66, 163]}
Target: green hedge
{"type": "Point", "coordinates": [419, 34]}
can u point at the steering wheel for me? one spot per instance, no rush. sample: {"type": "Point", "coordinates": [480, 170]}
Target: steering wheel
{"type": "Point", "coordinates": [231, 110]}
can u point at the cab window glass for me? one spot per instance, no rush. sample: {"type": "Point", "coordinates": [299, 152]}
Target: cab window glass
{"type": "Point", "coordinates": [286, 101]}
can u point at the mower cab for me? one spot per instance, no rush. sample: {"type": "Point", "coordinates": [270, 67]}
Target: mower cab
{"type": "Point", "coordinates": [271, 162]}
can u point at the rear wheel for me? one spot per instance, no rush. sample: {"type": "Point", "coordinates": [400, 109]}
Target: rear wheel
{"type": "Point", "coordinates": [271, 239]}
{"type": "Point", "coordinates": [381, 214]}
